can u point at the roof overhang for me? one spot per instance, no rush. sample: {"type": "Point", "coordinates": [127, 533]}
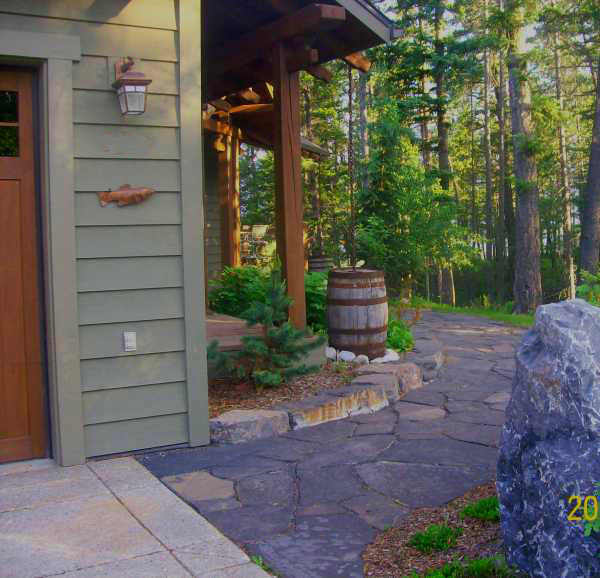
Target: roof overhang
{"type": "Point", "coordinates": [238, 38]}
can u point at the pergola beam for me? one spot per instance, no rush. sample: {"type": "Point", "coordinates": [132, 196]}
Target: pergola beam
{"type": "Point", "coordinates": [310, 19]}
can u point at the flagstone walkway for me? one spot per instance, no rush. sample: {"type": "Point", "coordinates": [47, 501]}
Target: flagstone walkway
{"type": "Point", "coordinates": [309, 501]}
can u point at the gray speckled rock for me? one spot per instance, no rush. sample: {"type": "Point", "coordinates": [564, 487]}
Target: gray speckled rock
{"type": "Point", "coordinates": [550, 447]}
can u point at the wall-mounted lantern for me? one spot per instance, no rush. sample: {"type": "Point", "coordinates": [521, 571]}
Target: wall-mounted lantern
{"type": "Point", "coordinates": [130, 87]}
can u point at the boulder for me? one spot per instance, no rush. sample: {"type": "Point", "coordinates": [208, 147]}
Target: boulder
{"type": "Point", "coordinates": [361, 360]}
{"type": "Point", "coordinates": [391, 355]}
{"type": "Point", "coordinates": [389, 381]}
{"type": "Point", "coordinates": [550, 445]}
{"type": "Point", "coordinates": [409, 375]}
{"type": "Point", "coordinates": [242, 425]}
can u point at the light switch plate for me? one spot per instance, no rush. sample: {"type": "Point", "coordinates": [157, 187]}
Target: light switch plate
{"type": "Point", "coordinates": [129, 341]}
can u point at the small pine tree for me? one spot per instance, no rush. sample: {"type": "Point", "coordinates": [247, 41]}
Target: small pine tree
{"type": "Point", "coordinates": [274, 357]}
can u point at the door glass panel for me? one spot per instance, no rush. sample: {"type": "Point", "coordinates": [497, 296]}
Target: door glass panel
{"type": "Point", "coordinates": [9, 141]}
{"type": "Point", "coordinates": [9, 106]}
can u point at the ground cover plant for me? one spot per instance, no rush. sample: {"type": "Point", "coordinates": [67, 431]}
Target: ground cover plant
{"type": "Point", "coordinates": [492, 567]}
{"type": "Point", "coordinates": [487, 509]}
{"type": "Point", "coordinates": [391, 555]}
{"type": "Point", "coordinates": [438, 537]}
{"type": "Point", "coordinates": [399, 336]}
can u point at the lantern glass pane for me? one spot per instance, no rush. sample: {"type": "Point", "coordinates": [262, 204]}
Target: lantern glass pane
{"type": "Point", "coordinates": [135, 102]}
{"type": "Point", "coordinates": [122, 100]}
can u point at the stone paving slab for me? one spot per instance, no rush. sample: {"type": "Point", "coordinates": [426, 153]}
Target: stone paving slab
{"type": "Point", "coordinates": [107, 519]}
{"type": "Point", "coordinates": [310, 500]}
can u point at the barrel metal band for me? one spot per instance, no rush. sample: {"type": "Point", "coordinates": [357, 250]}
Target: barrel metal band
{"type": "Point", "coordinates": [349, 273]}
{"type": "Point", "coordinates": [361, 285]}
{"type": "Point", "coordinates": [366, 331]}
{"type": "Point", "coordinates": [357, 302]}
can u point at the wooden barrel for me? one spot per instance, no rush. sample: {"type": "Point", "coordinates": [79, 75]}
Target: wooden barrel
{"type": "Point", "coordinates": [319, 264]}
{"type": "Point", "coordinates": [357, 311]}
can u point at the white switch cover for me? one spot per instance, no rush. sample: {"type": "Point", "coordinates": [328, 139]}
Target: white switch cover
{"type": "Point", "coordinates": [130, 340]}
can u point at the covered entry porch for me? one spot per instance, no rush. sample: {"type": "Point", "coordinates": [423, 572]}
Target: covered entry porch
{"type": "Point", "coordinates": [253, 55]}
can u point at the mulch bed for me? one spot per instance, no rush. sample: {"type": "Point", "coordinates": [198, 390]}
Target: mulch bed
{"type": "Point", "coordinates": [390, 556]}
{"type": "Point", "coordinates": [226, 394]}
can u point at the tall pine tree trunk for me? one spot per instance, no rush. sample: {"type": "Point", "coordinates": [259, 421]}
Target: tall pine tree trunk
{"type": "Point", "coordinates": [487, 151]}
{"type": "Point", "coordinates": [590, 231]}
{"type": "Point", "coordinates": [564, 176]}
{"type": "Point", "coordinates": [528, 281]}
{"type": "Point", "coordinates": [442, 128]}
{"type": "Point", "coordinates": [362, 129]}
{"type": "Point", "coordinates": [500, 223]}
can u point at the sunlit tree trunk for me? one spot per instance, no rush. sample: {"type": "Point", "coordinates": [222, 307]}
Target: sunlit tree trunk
{"type": "Point", "coordinates": [528, 281]}
{"type": "Point", "coordinates": [564, 176]}
{"type": "Point", "coordinates": [590, 231]}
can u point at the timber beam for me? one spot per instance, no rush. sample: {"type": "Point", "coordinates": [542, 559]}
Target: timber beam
{"type": "Point", "coordinates": [359, 61]}
{"type": "Point", "coordinates": [229, 199]}
{"type": "Point", "coordinates": [309, 20]}
{"type": "Point", "coordinates": [289, 205]}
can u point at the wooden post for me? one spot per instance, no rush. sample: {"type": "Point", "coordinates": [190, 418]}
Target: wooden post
{"type": "Point", "coordinates": [289, 206]}
{"type": "Point", "coordinates": [229, 199]}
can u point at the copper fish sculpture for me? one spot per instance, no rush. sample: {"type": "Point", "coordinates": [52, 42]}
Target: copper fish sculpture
{"type": "Point", "coordinates": [125, 195]}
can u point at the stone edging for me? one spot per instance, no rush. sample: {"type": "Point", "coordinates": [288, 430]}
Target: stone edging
{"type": "Point", "coordinates": [375, 387]}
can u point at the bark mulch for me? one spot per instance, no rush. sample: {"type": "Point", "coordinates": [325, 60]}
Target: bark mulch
{"type": "Point", "coordinates": [390, 556]}
{"type": "Point", "coordinates": [226, 394]}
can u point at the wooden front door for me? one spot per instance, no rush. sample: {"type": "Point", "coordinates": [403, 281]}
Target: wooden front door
{"type": "Point", "coordinates": [22, 428]}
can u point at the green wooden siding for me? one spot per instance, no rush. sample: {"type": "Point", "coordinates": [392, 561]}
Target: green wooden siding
{"type": "Point", "coordinates": [142, 305]}
{"type": "Point", "coordinates": [130, 272]}
{"type": "Point", "coordinates": [121, 436]}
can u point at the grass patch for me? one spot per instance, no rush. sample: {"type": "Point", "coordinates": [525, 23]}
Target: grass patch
{"type": "Point", "coordinates": [437, 537]}
{"type": "Point", "coordinates": [258, 560]}
{"type": "Point", "coordinates": [479, 568]}
{"type": "Point", "coordinates": [500, 316]}
{"type": "Point", "coordinates": [486, 509]}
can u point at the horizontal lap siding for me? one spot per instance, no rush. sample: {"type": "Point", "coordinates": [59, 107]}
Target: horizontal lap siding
{"type": "Point", "coordinates": [129, 268]}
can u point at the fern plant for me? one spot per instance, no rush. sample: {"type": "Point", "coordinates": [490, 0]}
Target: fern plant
{"type": "Point", "coordinates": [274, 357]}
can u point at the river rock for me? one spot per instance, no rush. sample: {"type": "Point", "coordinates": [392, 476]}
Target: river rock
{"type": "Point", "coordinates": [346, 356]}
{"type": "Point", "coordinates": [550, 446]}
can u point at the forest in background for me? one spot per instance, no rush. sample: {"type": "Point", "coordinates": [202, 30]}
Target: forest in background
{"type": "Point", "coordinates": [471, 149]}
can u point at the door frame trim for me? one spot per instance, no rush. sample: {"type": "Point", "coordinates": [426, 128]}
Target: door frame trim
{"type": "Point", "coordinates": [53, 56]}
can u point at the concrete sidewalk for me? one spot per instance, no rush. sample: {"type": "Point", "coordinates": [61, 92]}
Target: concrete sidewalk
{"type": "Point", "coordinates": [106, 519]}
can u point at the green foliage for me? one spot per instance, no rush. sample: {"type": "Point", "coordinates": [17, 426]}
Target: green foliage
{"type": "Point", "coordinates": [593, 525]}
{"type": "Point", "coordinates": [486, 509]}
{"type": "Point", "coordinates": [399, 336]}
{"type": "Point", "coordinates": [437, 537]}
{"type": "Point", "coordinates": [478, 568]}
{"type": "Point", "coordinates": [271, 359]}
{"type": "Point", "coordinates": [238, 287]}
{"type": "Point", "coordinates": [259, 561]}
{"type": "Point", "coordinates": [257, 187]}
{"type": "Point", "coordinates": [590, 288]}
{"type": "Point", "coordinates": [315, 285]}
{"type": "Point", "coordinates": [405, 219]}
{"type": "Point", "coordinates": [496, 314]}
